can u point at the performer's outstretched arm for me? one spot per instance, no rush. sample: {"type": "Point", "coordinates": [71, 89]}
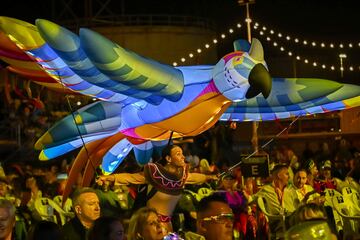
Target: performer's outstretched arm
{"type": "Point", "coordinates": [122, 178]}
{"type": "Point", "coordinates": [198, 178]}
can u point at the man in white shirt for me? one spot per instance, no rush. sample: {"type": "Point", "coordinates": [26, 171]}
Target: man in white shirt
{"type": "Point", "coordinates": [305, 192]}
{"type": "Point", "coordinates": [278, 196]}
{"type": "Point", "coordinates": [279, 199]}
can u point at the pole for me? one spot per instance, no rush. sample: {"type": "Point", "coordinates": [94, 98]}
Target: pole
{"type": "Point", "coordinates": [248, 22]}
{"type": "Point", "coordinates": [342, 56]}
{"type": "Point", "coordinates": [255, 125]}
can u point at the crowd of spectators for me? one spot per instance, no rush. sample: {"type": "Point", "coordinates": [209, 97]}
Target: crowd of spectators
{"type": "Point", "coordinates": [299, 189]}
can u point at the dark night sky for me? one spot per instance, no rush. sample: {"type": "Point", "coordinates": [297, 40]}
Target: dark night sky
{"type": "Point", "coordinates": [330, 18]}
{"type": "Point", "coordinates": [306, 15]}
{"type": "Point", "coordinates": [320, 20]}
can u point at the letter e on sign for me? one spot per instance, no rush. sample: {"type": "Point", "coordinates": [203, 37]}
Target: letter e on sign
{"type": "Point", "coordinates": [255, 170]}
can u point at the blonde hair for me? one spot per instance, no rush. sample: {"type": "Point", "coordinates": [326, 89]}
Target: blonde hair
{"type": "Point", "coordinates": [137, 221]}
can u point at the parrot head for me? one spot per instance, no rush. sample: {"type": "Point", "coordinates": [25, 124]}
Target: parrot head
{"type": "Point", "coordinates": [243, 75]}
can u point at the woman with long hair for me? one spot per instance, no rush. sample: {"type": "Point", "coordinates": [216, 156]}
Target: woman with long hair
{"type": "Point", "coordinates": [165, 180]}
{"type": "Point", "coordinates": [144, 224]}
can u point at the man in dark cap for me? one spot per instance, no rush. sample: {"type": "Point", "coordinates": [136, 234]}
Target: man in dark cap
{"type": "Point", "coordinates": [312, 171]}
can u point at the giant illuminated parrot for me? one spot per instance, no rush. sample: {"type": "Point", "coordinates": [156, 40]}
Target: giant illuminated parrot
{"type": "Point", "coordinates": [141, 102]}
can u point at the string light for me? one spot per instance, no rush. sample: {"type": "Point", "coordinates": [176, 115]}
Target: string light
{"type": "Point", "coordinates": [314, 63]}
{"type": "Point", "coordinates": [262, 31]}
{"type": "Point", "coordinates": [209, 45]}
{"type": "Point", "coordinates": [305, 42]}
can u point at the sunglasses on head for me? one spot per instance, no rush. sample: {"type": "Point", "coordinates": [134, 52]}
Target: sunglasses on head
{"type": "Point", "coordinates": [221, 218]}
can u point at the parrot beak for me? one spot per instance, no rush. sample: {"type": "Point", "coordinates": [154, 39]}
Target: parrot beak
{"type": "Point", "coordinates": [260, 82]}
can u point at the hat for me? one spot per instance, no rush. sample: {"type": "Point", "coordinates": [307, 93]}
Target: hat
{"type": "Point", "coordinates": [309, 164]}
{"type": "Point", "coordinates": [228, 176]}
{"type": "Point", "coordinates": [327, 164]}
{"type": "Point", "coordinates": [204, 165]}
